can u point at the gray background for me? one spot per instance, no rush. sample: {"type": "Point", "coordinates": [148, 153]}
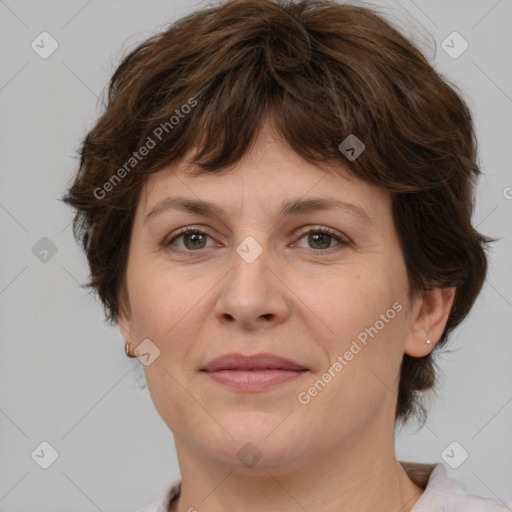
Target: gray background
{"type": "Point", "coordinates": [64, 376]}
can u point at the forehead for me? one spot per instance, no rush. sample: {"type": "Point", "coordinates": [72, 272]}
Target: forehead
{"type": "Point", "coordinates": [267, 174]}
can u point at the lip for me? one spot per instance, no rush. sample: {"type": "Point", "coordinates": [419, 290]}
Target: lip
{"type": "Point", "coordinates": [236, 361]}
{"type": "Point", "coordinates": [253, 373]}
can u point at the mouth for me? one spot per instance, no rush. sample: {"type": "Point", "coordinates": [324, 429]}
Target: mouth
{"type": "Point", "coordinates": [253, 373]}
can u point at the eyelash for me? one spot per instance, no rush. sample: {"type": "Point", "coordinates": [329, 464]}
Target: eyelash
{"type": "Point", "coordinates": [324, 230]}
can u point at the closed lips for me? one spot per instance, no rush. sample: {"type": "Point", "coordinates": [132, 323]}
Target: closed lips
{"type": "Point", "coordinates": [252, 363]}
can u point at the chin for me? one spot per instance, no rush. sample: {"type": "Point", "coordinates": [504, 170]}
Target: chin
{"type": "Point", "coordinates": [256, 447]}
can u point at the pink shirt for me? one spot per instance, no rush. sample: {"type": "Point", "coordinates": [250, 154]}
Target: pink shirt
{"type": "Point", "coordinates": [442, 493]}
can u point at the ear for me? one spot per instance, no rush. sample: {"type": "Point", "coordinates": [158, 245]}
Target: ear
{"type": "Point", "coordinates": [429, 316]}
{"type": "Point", "coordinates": [124, 315]}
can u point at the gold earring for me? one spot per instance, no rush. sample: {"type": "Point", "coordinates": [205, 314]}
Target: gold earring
{"type": "Point", "coordinates": [127, 349]}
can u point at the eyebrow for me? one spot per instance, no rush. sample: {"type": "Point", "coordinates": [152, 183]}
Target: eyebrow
{"type": "Point", "coordinates": [290, 207]}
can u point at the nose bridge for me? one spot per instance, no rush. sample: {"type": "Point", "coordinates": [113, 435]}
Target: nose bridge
{"type": "Point", "coordinates": [250, 275]}
{"type": "Point", "coordinates": [251, 293]}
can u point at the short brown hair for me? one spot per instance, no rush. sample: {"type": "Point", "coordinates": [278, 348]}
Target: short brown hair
{"type": "Point", "coordinates": [318, 71]}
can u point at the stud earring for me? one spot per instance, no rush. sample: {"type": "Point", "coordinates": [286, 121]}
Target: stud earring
{"type": "Point", "coordinates": [428, 342]}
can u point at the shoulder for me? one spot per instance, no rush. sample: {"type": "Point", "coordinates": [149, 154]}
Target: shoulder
{"type": "Point", "coordinates": [164, 498]}
{"type": "Point", "coordinates": [444, 494]}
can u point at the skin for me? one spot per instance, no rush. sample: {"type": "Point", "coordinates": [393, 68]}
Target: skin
{"type": "Point", "coordinates": [302, 298]}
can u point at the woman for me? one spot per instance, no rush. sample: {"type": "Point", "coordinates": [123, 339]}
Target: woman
{"type": "Point", "coordinates": [276, 210]}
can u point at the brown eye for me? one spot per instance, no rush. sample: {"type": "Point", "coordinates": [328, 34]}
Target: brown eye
{"type": "Point", "coordinates": [193, 239]}
{"type": "Point", "coordinates": [320, 239]}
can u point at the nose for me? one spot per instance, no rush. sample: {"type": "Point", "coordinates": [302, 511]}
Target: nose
{"type": "Point", "coordinates": [253, 294]}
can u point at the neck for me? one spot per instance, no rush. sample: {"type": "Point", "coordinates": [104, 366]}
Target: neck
{"type": "Point", "coordinates": [358, 475]}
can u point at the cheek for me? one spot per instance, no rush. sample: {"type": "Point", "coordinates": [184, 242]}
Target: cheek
{"type": "Point", "coordinates": [364, 362]}
{"type": "Point", "coordinates": [163, 301]}
{"type": "Point", "coordinates": [350, 300]}
{"type": "Point", "coordinates": [173, 403]}
{"type": "Point", "coordinates": [166, 308]}
{"type": "Point", "coordinates": [365, 313]}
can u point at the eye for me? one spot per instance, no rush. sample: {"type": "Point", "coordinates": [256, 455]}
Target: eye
{"type": "Point", "coordinates": [320, 238]}
{"type": "Point", "coordinates": [193, 239]}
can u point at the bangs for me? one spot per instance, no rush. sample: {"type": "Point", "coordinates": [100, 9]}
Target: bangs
{"type": "Point", "coordinates": [312, 85]}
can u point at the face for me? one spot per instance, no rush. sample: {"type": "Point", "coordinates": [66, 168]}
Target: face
{"type": "Point", "coordinates": [321, 284]}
